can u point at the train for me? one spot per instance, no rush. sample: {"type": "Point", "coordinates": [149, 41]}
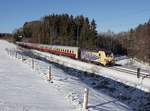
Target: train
{"type": "Point", "coordinates": [102, 57]}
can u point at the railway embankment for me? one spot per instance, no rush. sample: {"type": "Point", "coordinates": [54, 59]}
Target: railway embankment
{"type": "Point", "coordinates": [141, 83]}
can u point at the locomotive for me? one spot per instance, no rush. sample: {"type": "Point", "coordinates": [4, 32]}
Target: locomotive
{"type": "Point", "coordinates": [102, 57]}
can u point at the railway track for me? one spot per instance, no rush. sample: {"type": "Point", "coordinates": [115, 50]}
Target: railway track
{"type": "Point", "coordinates": [130, 71]}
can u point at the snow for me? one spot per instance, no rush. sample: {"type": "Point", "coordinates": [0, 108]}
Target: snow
{"type": "Point", "coordinates": [129, 62]}
{"type": "Point", "coordinates": [127, 92]}
{"type": "Point", "coordinates": [21, 89]}
{"type": "Point", "coordinates": [128, 79]}
{"type": "Point", "coordinates": [29, 90]}
{"type": "Point", "coordinates": [143, 65]}
{"type": "Point", "coordinates": [125, 61]}
{"type": "Point", "coordinates": [132, 65]}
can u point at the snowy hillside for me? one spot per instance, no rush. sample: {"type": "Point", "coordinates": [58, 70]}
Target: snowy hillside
{"type": "Point", "coordinates": [27, 89]}
{"type": "Point", "coordinates": [22, 89]}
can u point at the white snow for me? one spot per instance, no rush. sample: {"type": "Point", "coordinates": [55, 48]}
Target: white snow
{"type": "Point", "coordinates": [25, 89]}
{"type": "Point", "coordinates": [124, 61]}
{"type": "Point", "coordinates": [22, 89]}
{"type": "Point", "coordinates": [128, 79]}
{"type": "Point", "coordinates": [142, 65]}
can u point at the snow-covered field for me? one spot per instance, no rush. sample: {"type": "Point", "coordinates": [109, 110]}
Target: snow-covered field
{"type": "Point", "coordinates": [132, 64]}
{"type": "Point", "coordinates": [22, 89]}
{"type": "Point", "coordinates": [29, 90]}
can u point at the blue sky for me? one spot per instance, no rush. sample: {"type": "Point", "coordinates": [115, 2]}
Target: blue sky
{"type": "Point", "coordinates": [115, 15]}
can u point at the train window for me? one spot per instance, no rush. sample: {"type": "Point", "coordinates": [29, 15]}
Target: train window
{"type": "Point", "coordinates": [108, 53]}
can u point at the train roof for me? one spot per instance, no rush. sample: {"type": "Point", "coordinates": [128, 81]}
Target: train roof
{"type": "Point", "coordinates": [96, 49]}
{"type": "Point", "coordinates": [52, 46]}
{"type": "Point", "coordinates": [70, 47]}
{"type": "Point", "coordinates": [62, 46]}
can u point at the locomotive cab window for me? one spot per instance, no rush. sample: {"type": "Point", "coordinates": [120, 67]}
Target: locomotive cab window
{"type": "Point", "coordinates": [108, 53]}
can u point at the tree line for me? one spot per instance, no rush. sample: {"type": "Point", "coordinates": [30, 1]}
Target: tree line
{"type": "Point", "coordinates": [137, 42]}
{"type": "Point", "coordinates": [64, 29]}
{"type": "Point", "coordinates": [61, 29]}
{"type": "Point", "coordinates": [67, 30]}
{"type": "Point", "coordinates": [6, 36]}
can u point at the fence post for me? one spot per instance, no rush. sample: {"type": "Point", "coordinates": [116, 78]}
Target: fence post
{"type": "Point", "coordinates": [32, 63]}
{"type": "Point", "coordinates": [16, 54]}
{"type": "Point", "coordinates": [138, 72]}
{"type": "Point", "coordinates": [13, 53]}
{"type": "Point", "coordinates": [85, 101]}
{"type": "Point", "coordinates": [49, 73]}
{"type": "Point", "coordinates": [10, 52]}
{"type": "Point", "coordinates": [21, 58]}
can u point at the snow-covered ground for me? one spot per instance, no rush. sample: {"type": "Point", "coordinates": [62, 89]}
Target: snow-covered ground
{"type": "Point", "coordinates": [133, 63]}
{"type": "Point", "coordinates": [134, 98]}
{"type": "Point", "coordinates": [105, 94]}
{"type": "Point", "coordinates": [22, 89]}
{"type": "Point", "coordinates": [123, 77]}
